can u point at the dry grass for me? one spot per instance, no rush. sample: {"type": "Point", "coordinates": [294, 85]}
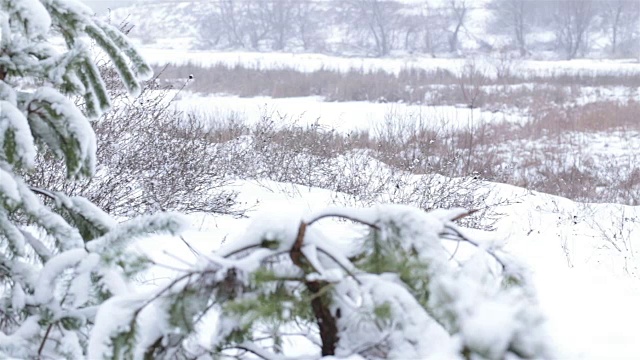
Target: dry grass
{"type": "Point", "coordinates": [497, 152]}
{"type": "Point", "coordinates": [472, 87]}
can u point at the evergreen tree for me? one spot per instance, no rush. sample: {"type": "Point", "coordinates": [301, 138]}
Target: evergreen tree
{"type": "Point", "coordinates": [60, 257]}
{"type": "Point", "coordinates": [399, 293]}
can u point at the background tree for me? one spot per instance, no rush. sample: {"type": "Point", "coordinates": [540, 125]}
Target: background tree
{"type": "Point", "coordinates": [60, 256]}
{"type": "Point", "coordinates": [307, 20]}
{"type": "Point", "coordinates": [425, 27]}
{"type": "Point", "coordinates": [620, 21]}
{"type": "Point", "coordinates": [572, 22]}
{"type": "Point", "coordinates": [377, 22]}
{"type": "Point", "coordinates": [457, 14]}
{"type": "Point", "coordinates": [514, 18]}
{"type": "Point", "coordinates": [224, 26]}
{"type": "Point", "coordinates": [280, 14]}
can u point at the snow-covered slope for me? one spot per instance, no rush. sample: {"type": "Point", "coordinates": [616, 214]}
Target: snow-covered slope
{"type": "Point", "coordinates": [583, 258]}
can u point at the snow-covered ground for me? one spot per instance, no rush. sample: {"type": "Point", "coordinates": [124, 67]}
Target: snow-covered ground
{"type": "Point", "coordinates": [339, 116]}
{"type": "Point", "coordinates": [583, 258]}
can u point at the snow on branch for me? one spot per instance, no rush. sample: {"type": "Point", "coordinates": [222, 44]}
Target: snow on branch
{"type": "Point", "coordinates": [119, 237]}
{"type": "Point", "coordinates": [394, 294]}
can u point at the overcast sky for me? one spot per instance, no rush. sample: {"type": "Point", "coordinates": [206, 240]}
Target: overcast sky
{"type": "Point", "coordinates": [101, 6]}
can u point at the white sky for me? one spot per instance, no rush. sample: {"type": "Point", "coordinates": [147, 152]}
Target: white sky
{"type": "Point", "coordinates": [102, 5]}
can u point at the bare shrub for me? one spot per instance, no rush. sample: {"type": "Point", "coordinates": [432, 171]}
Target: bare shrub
{"type": "Point", "coordinates": [150, 158]}
{"type": "Point", "coordinates": [505, 66]}
{"type": "Point", "coordinates": [399, 160]}
{"type": "Point", "coordinates": [362, 169]}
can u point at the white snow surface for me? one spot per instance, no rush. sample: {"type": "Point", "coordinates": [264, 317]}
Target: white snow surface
{"type": "Point", "coordinates": [344, 117]}
{"type": "Point", "coordinates": [587, 288]}
{"type": "Point", "coordinates": [115, 315]}
{"type": "Point", "coordinates": [38, 16]}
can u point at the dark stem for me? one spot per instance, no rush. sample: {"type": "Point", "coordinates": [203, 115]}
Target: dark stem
{"type": "Point", "coordinates": [44, 339]}
{"type": "Point", "coordinates": [325, 320]}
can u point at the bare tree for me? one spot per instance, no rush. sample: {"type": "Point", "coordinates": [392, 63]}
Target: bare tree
{"type": "Point", "coordinates": [377, 20]}
{"type": "Point", "coordinates": [278, 15]}
{"type": "Point", "coordinates": [258, 22]}
{"type": "Point", "coordinates": [458, 11]}
{"type": "Point", "coordinates": [307, 21]}
{"type": "Point", "coordinates": [514, 17]}
{"type": "Point", "coordinates": [572, 23]}
{"type": "Point", "coordinates": [224, 26]}
{"type": "Point", "coordinates": [424, 28]}
{"type": "Point", "coordinates": [620, 20]}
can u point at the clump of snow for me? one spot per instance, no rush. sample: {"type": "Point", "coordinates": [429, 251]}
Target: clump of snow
{"type": "Point", "coordinates": [125, 233]}
{"type": "Point", "coordinates": [74, 125]}
{"type": "Point", "coordinates": [269, 229]}
{"type": "Point", "coordinates": [53, 269]}
{"type": "Point", "coordinates": [36, 15]}
{"type": "Point", "coordinates": [12, 119]}
{"type": "Point", "coordinates": [114, 316]}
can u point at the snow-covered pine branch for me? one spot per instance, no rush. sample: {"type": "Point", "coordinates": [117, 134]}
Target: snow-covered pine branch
{"type": "Point", "coordinates": [395, 293]}
{"type": "Point", "coordinates": [60, 257]}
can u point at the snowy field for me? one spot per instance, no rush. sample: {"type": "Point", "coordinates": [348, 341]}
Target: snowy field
{"type": "Point", "coordinates": [344, 117]}
{"type": "Point", "coordinates": [583, 259]}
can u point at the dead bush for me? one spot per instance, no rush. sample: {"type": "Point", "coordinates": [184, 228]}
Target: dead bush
{"type": "Point", "coordinates": [149, 158]}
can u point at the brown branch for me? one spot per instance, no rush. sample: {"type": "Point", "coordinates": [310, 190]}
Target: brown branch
{"type": "Point", "coordinates": [44, 339]}
{"type": "Point", "coordinates": [324, 318]}
{"type": "Point", "coordinates": [461, 216]}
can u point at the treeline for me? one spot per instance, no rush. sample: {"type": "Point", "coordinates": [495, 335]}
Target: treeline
{"type": "Point", "coordinates": [568, 28]}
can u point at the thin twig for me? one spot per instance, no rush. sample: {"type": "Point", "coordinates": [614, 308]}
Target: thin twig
{"type": "Point", "coordinates": [254, 349]}
{"type": "Point", "coordinates": [174, 257]}
{"type": "Point", "coordinates": [455, 251]}
{"type": "Point", "coordinates": [248, 247]}
{"type": "Point", "coordinates": [342, 266]}
{"type": "Point", "coordinates": [474, 243]}
{"type": "Point", "coordinates": [44, 339]}
{"type": "Point", "coordinates": [169, 267]}
{"type": "Point", "coordinates": [326, 215]}
{"type": "Point", "coordinates": [195, 252]}
{"type": "Point", "coordinates": [43, 192]}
